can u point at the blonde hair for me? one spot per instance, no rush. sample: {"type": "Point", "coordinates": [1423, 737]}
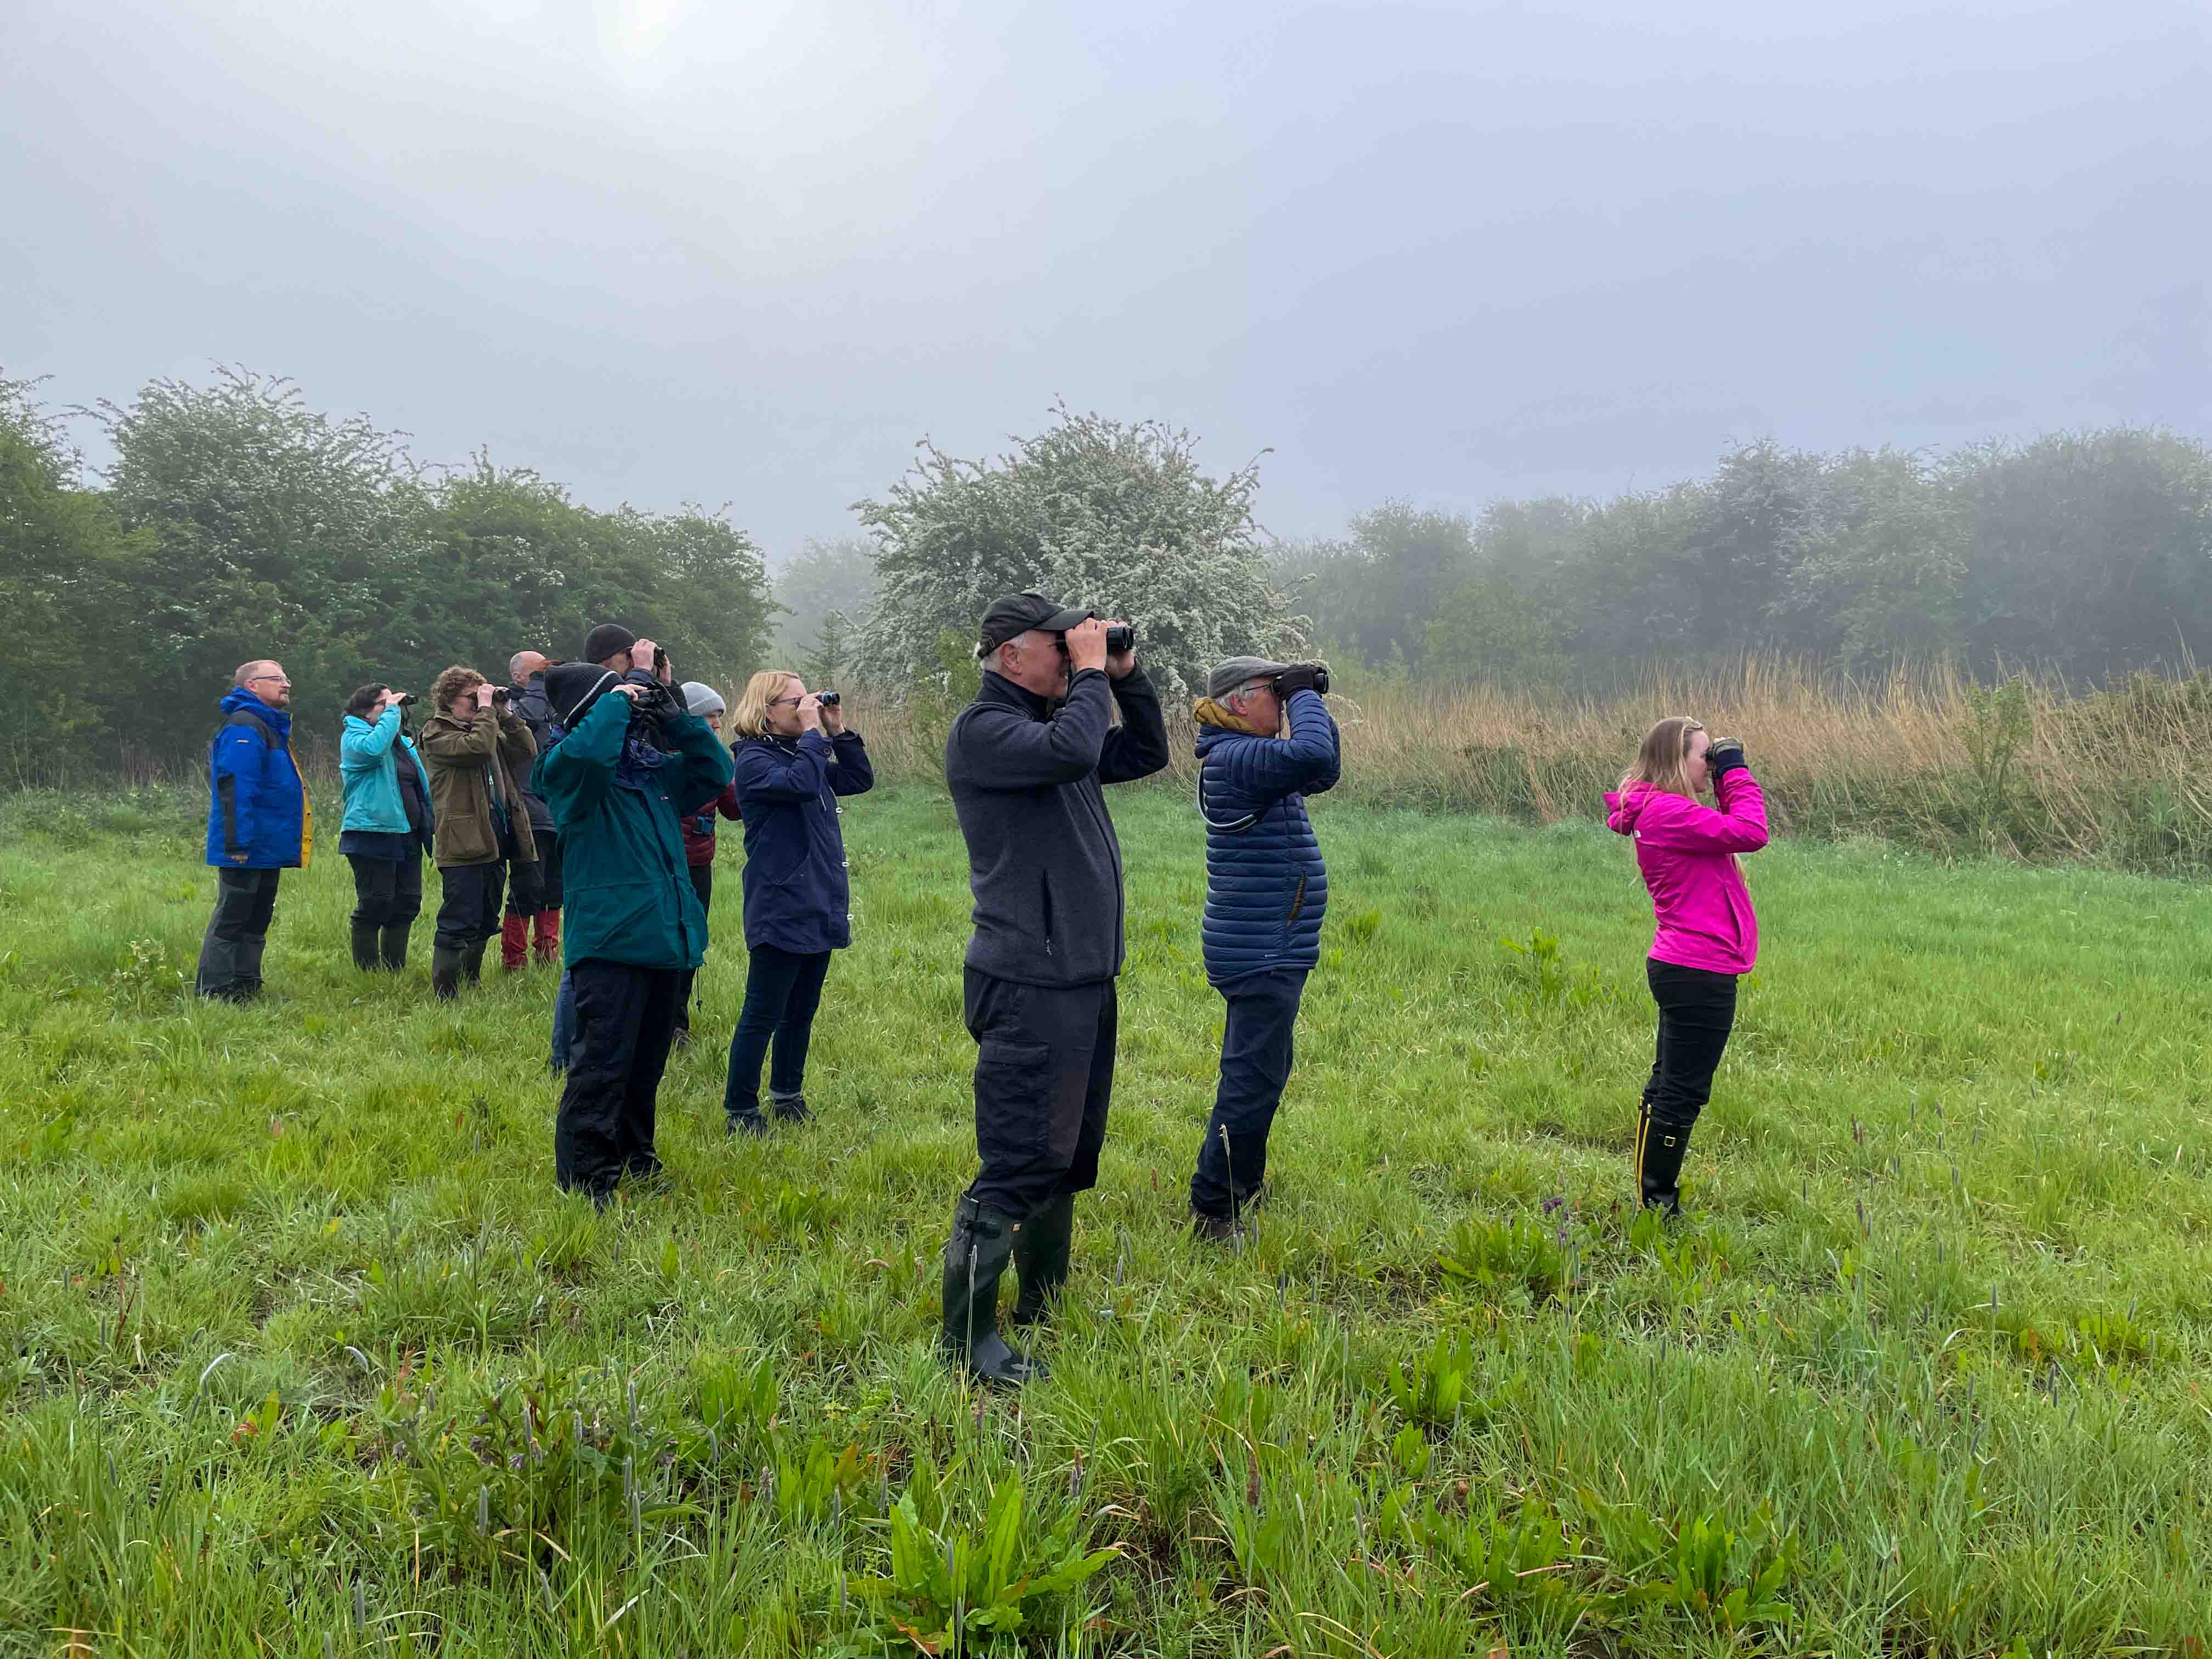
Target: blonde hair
{"type": "Point", "coordinates": [450, 684]}
{"type": "Point", "coordinates": [1663, 762]}
{"type": "Point", "coordinates": [748, 719]}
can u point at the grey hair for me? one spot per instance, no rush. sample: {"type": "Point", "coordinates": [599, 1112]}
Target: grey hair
{"type": "Point", "coordinates": [514, 662]}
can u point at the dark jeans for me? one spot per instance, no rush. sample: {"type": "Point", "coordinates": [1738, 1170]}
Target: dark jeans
{"type": "Point", "coordinates": [703, 884]}
{"type": "Point", "coordinates": [230, 954]}
{"type": "Point", "coordinates": [468, 913]}
{"type": "Point", "coordinates": [782, 990]}
{"type": "Point", "coordinates": [1255, 1064]}
{"type": "Point", "coordinates": [386, 892]}
{"type": "Point", "coordinates": [625, 1017]}
{"type": "Point", "coordinates": [1044, 1076]}
{"type": "Point", "coordinates": [1697, 1010]}
{"type": "Point", "coordinates": [532, 887]}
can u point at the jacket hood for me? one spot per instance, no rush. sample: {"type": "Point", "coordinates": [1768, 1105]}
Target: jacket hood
{"type": "Point", "coordinates": [1624, 807]}
{"type": "Point", "coordinates": [240, 697]}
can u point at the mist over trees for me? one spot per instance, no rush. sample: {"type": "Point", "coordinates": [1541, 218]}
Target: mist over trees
{"type": "Point", "coordinates": [2085, 554]}
{"type": "Point", "coordinates": [235, 520]}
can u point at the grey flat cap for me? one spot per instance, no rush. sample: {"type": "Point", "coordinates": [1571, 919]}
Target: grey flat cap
{"type": "Point", "coordinates": [1230, 672]}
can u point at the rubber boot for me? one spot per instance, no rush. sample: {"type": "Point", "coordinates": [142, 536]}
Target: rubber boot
{"type": "Point", "coordinates": [472, 962]}
{"type": "Point", "coordinates": [364, 946]}
{"type": "Point", "coordinates": [1041, 1251]}
{"type": "Point", "coordinates": [975, 1257]}
{"type": "Point", "coordinates": [1659, 1172]}
{"type": "Point", "coordinates": [513, 941]}
{"type": "Point", "coordinates": [546, 925]}
{"type": "Point", "coordinates": [787, 1108]}
{"type": "Point", "coordinates": [445, 972]}
{"type": "Point", "coordinates": [394, 942]}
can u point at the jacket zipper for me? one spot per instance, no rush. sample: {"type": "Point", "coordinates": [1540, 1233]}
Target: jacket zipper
{"type": "Point", "coordinates": [1297, 901]}
{"type": "Point", "coordinates": [1045, 882]}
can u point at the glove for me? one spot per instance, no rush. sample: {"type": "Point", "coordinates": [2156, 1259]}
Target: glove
{"type": "Point", "coordinates": [1726, 756]}
{"type": "Point", "coordinates": [1301, 677]}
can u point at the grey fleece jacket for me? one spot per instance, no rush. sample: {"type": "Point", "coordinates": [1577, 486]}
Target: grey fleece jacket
{"type": "Point", "coordinates": [1043, 863]}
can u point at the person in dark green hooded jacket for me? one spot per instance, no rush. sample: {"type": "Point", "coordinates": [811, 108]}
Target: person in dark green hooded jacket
{"type": "Point", "coordinates": [629, 765]}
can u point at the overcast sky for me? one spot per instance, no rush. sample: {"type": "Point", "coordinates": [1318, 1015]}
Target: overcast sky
{"type": "Point", "coordinates": [752, 250]}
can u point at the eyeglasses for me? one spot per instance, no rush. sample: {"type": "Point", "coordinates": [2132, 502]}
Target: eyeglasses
{"type": "Point", "coordinates": [272, 679]}
{"type": "Point", "coordinates": [778, 703]}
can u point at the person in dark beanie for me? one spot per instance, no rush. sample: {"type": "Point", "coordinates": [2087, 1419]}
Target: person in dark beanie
{"type": "Point", "coordinates": [626, 766]}
{"type": "Point", "coordinates": [1707, 935]}
{"type": "Point", "coordinates": [795, 761]}
{"type": "Point", "coordinates": [473, 748]}
{"type": "Point", "coordinates": [532, 921]}
{"type": "Point", "coordinates": [1025, 762]}
{"type": "Point", "coordinates": [706, 702]}
{"type": "Point", "coordinates": [259, 824]}
{"type": "Point", "coordinates": [1267, 890]}
{"type": "Point", "coordinates": [388, 827]}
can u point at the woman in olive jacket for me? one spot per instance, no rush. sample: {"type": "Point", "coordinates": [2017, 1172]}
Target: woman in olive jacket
{"type": "Point", "coordinates": [477, 752]}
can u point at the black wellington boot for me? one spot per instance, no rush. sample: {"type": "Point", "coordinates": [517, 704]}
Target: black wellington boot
{"type": "Point", "coordinates": [1041, 1250]}
{"type": "Point", "coordinates": [472, 962]}
{"type": "Point", "coordinates": [982, 1243]}
{"type": "Point", "coordinates": [445, 972]}
{"type": "Point", "coordinates": [1659, 1172]}
{"type": "Point", "coordinates": [364, 946]}
{"type": "Point", "coordinates": [394, 943]}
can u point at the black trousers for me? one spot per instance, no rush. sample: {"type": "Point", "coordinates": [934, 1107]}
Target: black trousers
{"type": "Point", "coordinates": [782, 990]}
{"type": "Point", "coordinates": [1697, 1011]}
{"type": "Point", "coordinates": [535, 885]}
{"type": "Point", "coordinates": [230, 954]}
{"type": "Point", "coordinates": [386, 892]}
{"type": "Point", "coordinates": [625, 1019]}
{"type": "Point", "coordinates": [703, 884]}
{"type": "Point", "coordinates": [1045, 1077]}
{"type": "Point", "coordinates": [468, 913]}
{"type": "Point", "coordinates": [1255, 1064]}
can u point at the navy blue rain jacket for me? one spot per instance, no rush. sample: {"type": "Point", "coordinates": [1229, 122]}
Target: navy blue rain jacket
{"type": "Point", "coordinates": [797, 896]}
{"type": "Point", "coordinates": [1266, 885]}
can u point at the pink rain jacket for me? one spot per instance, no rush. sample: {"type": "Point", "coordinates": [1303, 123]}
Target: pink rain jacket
{"type": "Point", "coordinates": [1687, 851]}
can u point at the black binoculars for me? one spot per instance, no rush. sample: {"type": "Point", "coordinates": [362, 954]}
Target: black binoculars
{"type": "Point", "coordinates": [1119, 639]}
{"type": "Point", "coordinates": [828, 699]}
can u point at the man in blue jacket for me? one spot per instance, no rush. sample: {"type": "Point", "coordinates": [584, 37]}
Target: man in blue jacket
{"type": "Point", "coordinates": [1025, 762]}
{"type": "Point", "coordinates": [1266, 891]}
{"type": "Point", "coordinates": [258, 825]}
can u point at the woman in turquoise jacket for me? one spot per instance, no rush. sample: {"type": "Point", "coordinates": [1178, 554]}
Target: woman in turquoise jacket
{"type": "Point", "coordinates": [387, 826]}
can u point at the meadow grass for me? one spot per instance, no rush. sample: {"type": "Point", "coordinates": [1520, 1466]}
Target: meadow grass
{"type": "Point", "coordinates": [306, 1355]}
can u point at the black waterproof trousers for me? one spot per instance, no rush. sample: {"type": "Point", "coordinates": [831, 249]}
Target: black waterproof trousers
{"type": "Point", "coordinates": [468, 913]}
{"type": "Point", "coordinates": [1045, 1077]}
{"type": "Point", "coordinates": [1697, 1011]}
{"type": "Point", "coordinates": [230, 954]}
{"type": "Point", "coordinates": [703, 884]}
{"type": "Point", "coordinates": [1255, 1064]}
{"type": "Point", "coordinates": [625, 1019]}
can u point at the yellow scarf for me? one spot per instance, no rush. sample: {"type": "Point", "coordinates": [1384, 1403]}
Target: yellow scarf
{"type": "Point", "coordinates": [1213, 713]}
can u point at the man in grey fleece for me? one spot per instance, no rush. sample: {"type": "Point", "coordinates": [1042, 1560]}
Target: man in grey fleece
{"type": "Point", "coordinates": [1026, 761]}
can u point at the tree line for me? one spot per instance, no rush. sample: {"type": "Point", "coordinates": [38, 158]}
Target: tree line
{"type": "Point", "coordinates": [235, 520]}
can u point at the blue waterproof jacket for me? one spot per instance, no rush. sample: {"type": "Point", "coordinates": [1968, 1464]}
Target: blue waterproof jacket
{"type": "Point", "coordinates": [797, 896]}
{"type": "Point", "coordinates": [369, 758]}
{"type": "Point", "coordinates": [257, 806]}
{"type": "Point", "coordinates": [1266, 886]}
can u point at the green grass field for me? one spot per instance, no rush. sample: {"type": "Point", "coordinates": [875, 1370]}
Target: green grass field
{"type": "Point", "coordinates": [307, 1357]}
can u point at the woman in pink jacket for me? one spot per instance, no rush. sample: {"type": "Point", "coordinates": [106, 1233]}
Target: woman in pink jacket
{"type": "Point", "coordinates": [1707, 933]}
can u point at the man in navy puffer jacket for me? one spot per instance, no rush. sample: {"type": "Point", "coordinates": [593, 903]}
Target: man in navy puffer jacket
{"type": "Point", "coordinates": [1265, 742]}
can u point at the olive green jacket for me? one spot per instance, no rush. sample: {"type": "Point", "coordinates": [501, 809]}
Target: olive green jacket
{"type": "Point", "coordinates": [468, 758]}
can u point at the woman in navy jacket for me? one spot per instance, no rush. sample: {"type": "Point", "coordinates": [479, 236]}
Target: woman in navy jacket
{"type": "Point", "coordinates": [793, 758]}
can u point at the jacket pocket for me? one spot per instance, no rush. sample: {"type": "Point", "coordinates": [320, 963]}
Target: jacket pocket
{"type": "Point", "coordinates": [1044, 885]}
{"type": "Point", "coordinates": [1013, 1102]}
{"type": "Point", "coordinates": [1297, 901]}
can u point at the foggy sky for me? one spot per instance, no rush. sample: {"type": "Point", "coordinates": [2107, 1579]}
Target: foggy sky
{"type": "Point", "coordinates": [752, 250]}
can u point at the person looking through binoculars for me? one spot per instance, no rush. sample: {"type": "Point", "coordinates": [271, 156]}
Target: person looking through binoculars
{"type": "Point", "coordinates": [473, 747]}
{"type": "Point", "coordinates": [1264, 743]}
{"type": "Point", "coordinates": [793, 759]}
{"type": "Point", "coordinates": [1026, 762]}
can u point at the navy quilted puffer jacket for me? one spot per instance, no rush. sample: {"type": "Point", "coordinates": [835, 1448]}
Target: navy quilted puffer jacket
{"type": "Point", "coordinates": [1266, 886]}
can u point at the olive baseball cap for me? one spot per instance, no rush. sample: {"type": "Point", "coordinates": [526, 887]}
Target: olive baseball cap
{"type": "Point", "coordinates": [1018, 613]}
{"type": "Point", "coordinates": [1230, 672]}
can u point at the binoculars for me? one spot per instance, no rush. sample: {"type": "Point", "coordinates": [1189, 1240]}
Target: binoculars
{"type": "Point", "coordinates": [1118, 640]}
{"type": "Point", "coordinates": [828, 699]}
